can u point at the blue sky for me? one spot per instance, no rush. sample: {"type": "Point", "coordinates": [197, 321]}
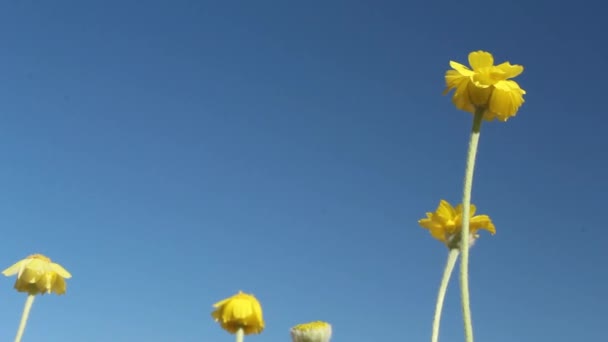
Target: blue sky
{"type": "Point", "coordinates": [173, 153]}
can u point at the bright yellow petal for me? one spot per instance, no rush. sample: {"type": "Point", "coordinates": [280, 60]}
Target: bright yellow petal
{"type": "Point", "coordinates": [506, 99]}
{"type": "Point", "coordinates": [482, 222]}
{"type": "Point", "coordinates": [59, 287]}
{"type": "Point", "coordinates": [454, 80]}
{"type": "Point", "coordinates": [439, 233]}
{"type": "Point", "coordinates": [428, 222]}
{"type": "Point", "coordinates": [60, 270]}
{"type": "Point", "coordinates": [445, 211]}
{"type": "Point", "coordinates": [480, 59]}
{"type": "Point", "coordinates": [461, 69]}
{"type": "Point", "coordinates": [221, 303]}
{"type": "Point", "coordinates": [510, 70]}
{"type": "Point", "coordinates": [15, 268]}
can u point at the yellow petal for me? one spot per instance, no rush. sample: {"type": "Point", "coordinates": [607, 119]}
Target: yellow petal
{"type": "Point", "coordinates": [46, 281]}
{"type": "Point", "coordinates": [480, 59]}
{"type": "Point", "coordinates": [60, 270]}
{"type": "Point", "coordinates": [38, 265]}
{"type": "Point", "coordinates": [16, 268]}
{"type": "Point", "coordinates": [454, 80]}
{"type": "Point", "coordinates": [506, 99]}
{"type": "Point", "coordinates": [482, 222]}
{"type": "Point", "coordinates": [59, 287]}
{"type": "Point", "coordinates": [428, 222]}
{"type": "Point", "coordinates": [461, 69]}
{"type": "Point", "coordinates": [221, 302]}
{"type": "Point", "coordinates": [445, 211]}
{"type": "Point", "coordinates": [510, 70]}
{"type": "Point", "coordinates": [22, 286]}
{"type": "Point", "coordinates": [439, 233]}
{"type": "Point", "coordinates": [30, 275]}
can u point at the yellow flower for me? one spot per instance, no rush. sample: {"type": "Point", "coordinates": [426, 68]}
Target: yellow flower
{"type": "Point", "coordinates": [36, 274]}
{"type": "Point", "coordinates": [311, 332]}
{"type": "Point", "coordinates": [487, 86]}
{"type": "Point", "coordinates": [239, 311]}
{"type": "Point", "coordinates": [445, 224]}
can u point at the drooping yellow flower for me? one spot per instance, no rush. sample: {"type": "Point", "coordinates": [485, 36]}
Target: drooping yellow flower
{"type": "Point", "coordinates": [36, 274]}
{"type": "Point", "coordinates": [241, 311]}
{"type": "Point", "coordinates": [487, 86]}
{"type": "Point", "coordinates": [445, 224]}
{"type": "Point", "coordinates": [311, 332]}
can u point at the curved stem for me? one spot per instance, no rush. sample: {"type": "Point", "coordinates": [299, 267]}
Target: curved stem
{"type": "Point", "coordinates": [464, 237]}
{"type": "Point", "coordinates": [447, 272]}
{"type": "Point", "coordinates": [26, 313]}
{"type": "Point", "coordinates": [240, 335]}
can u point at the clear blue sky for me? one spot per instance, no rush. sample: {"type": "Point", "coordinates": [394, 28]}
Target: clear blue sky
{"type": "Point", "coordinates": [171, 153]}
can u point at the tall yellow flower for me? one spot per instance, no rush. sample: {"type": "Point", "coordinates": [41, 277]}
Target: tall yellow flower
{"type": "Point", "coordinates": [486, 87]}
{"type": "Point", "coordinates": [36, 274]}
{"type": "Point", "coordinates": [445, 224]}
{"type": "Point", "coordinates": [311, 332]}
{"type": "Point", "coordinates": [241, 311]}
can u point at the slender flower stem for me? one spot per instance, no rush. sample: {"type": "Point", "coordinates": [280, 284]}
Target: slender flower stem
{"type": "Point", "coordinates": [447, 272]}
{"type": "Point", "coordinates": [240, 335]}
{"type": "Point", "coordinates": [464, 237]}
{"type": "Point", "coordinates": [26, 312]}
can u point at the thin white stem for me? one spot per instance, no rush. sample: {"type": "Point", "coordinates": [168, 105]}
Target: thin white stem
{"type": "Point", "coordinates": [26, 313]}
{"type": "Point", "coordinates": [445, 280]}
{"type": "Point", "coordinates": [464, 237]}
{"type": "Point", "coordinates": [240, 335]}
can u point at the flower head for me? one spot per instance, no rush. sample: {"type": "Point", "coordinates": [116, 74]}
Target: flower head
{"type": "Point", "coordinates": [36, 274]}
{"type": "Point", "coordinates": [241, 311]}
{"type": "Point", "coordinates": [485, 87]}
{"type": "Point", "coordinates": [311, 332]}
{"type": "Point", "coordinates": [445, 224]}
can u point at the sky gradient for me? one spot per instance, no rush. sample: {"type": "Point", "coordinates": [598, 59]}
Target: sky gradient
{"type": "Point", "coordinates": [173, 153]}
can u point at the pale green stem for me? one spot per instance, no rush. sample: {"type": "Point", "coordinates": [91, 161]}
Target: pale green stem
{"type": "Point", "coordinates": [464, 237]}
{"type": "Point", "coordinates": [26, 313]}
{"type": "Point", "coordinates": [447, 272]}
{"type": "Point", "coordinates": [240, 335]}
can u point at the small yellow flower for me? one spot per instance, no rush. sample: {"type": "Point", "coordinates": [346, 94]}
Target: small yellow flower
{"type": "Point", "coordinates": [445, 224]}
{"type": "Point", "coordinates": [36, 274]}
{"type": "Point", "coordinates": [487, 86]}
{"type": "Point", "coordinates": [239, 311]}
{"type": "Point", "coordinates": [311, 332]}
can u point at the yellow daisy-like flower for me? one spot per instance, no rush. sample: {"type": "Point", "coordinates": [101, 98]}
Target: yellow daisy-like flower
{"type": "Point", "coordinates": [311, 332]}
{"type": "Point", "coordinates": [445, 224]}
{"type": "Point", "coordinates": [36, 274]}
{"type": "Point", "coordinates": [241, 311]}
{"type": "Point", "coordinates": [486, 87]}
